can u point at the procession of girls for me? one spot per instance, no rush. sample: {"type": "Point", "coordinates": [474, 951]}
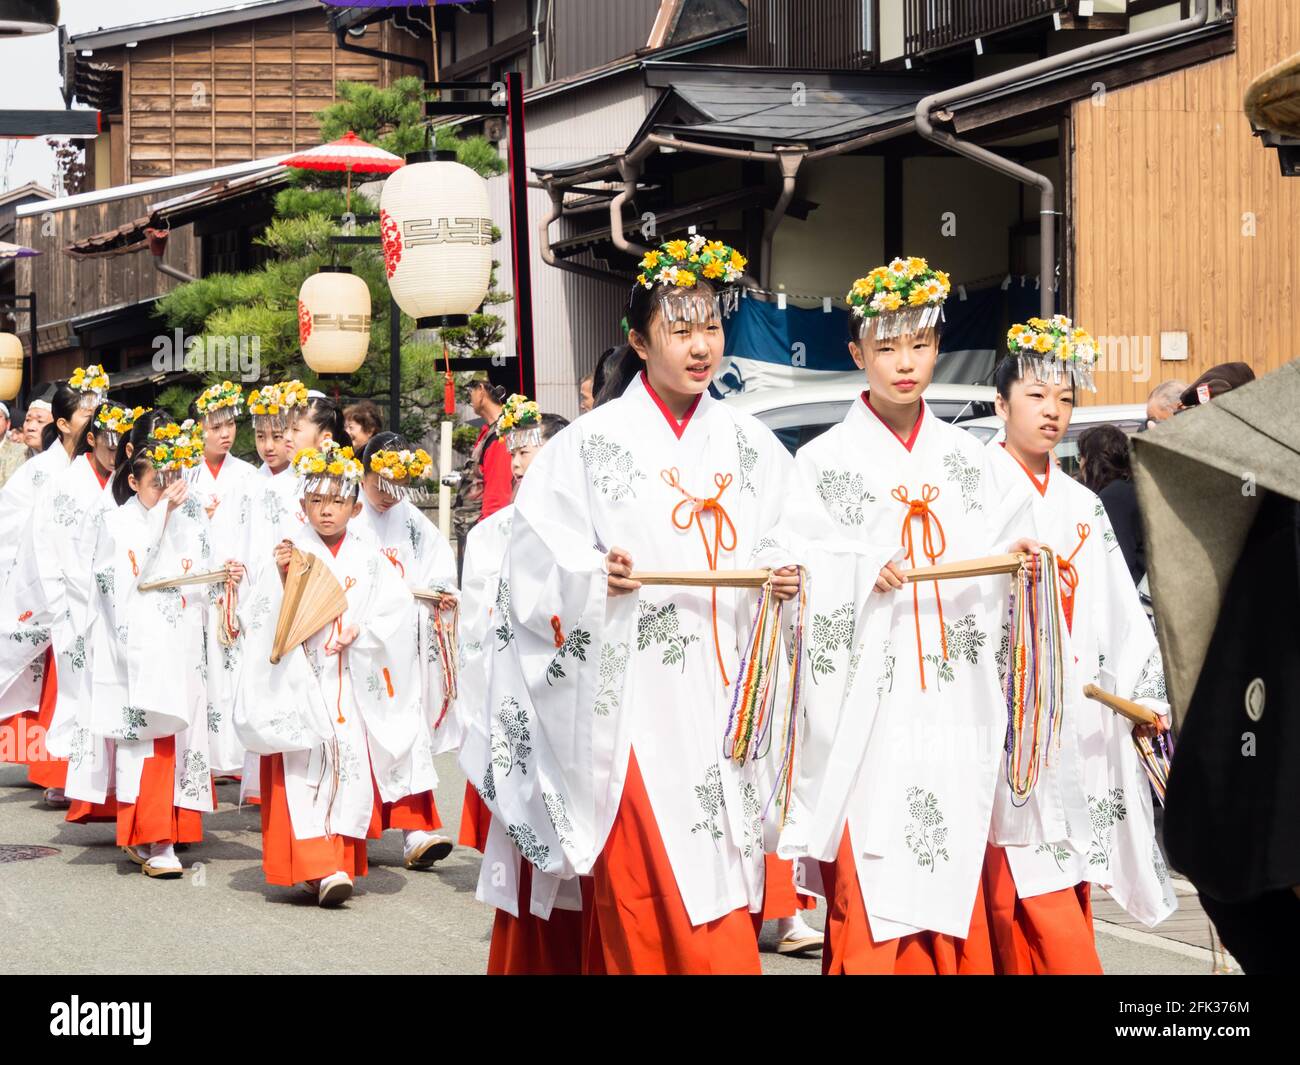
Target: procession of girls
{"type": "Point", "coordinates": [655, 765]}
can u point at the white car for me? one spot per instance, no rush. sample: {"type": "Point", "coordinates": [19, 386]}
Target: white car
{"type": "Point", "coordinates": [1130, 417]}
{"type": "Point", "coordinates": [803, 412]}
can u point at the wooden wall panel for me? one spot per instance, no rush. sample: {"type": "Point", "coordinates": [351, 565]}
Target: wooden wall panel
{"type": "Point", "coordinates": [200, 100]}
{"type": "Point", "coordinates": [1168, 182]}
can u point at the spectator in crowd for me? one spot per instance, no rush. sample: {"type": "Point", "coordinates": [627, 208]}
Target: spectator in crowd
{"type": "Point", "coordinates": [362, 421]}
{"type": "Point", "coordinates": [1105, 467]}
{"type": "Point", "coordinates": [599, 376]}
{"type": "Point", "coordinates": [1216, 381]}
{"type": "Point", "coordinates": [486, 483]}
{"type": "Point", "coordinates": [586, 397]}
{"type": "Point", "coordinates": [15, 432]}
{"type": "Point", "coordinates": [12, 454]}
{"type": "Point", "coordinates": [1165, 401]}
{"type": "Point", "coordinates": [39, 415]}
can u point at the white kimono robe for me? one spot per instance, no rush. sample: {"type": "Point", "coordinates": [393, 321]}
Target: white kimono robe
{"type": "Point", "coordinates": [335, 717]}
{"type": "Point", "coordinates": [423, 559]}
{"type": "Point", "coordinates": [227, 489]}
{"type": "Point", "coordinates": [485, 555]}
{"type": "Point", "coordinates": [57, 552]}
{"type": "Point", "coordinates": [579, 679]}
{"type": "Point", "coordinates": [269, 511]}
{"type": "Point", "coordinates": [25, 616]}
{"type": "Point", "coordinates": [482, 638]}
{"type": "Point", "coordinates": [148, 675]}
{"type": "Point", "coordinates": [1109, 837]}
{"type": "Point", "coordinates": [910, 770]}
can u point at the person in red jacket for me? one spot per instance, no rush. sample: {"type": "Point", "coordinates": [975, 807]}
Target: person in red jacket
{"type": "Point", "coordinates": [493, 458]}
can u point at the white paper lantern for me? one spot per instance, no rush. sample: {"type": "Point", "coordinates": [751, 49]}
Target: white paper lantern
{"type": "Point", "coordinates": [437, 234]}
{"type": "Point", "coordinates": [26, 18]}
{"type": "Point", "coordinates": [334, 320]}
{"type": "Point", "coordinates": [11, 366]}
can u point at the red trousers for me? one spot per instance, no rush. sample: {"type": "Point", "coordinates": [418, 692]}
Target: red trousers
{"type": "Point", "coordinates": [851, 950]}
{"type": "Point", "coordinates": [287, 860]}
{"type": "Point", "coordinates": [566, 945]}
{"type": "Point", "coordinates": [475, 820]}
{"type": "Point", "coordinates": [641, 920]}
{"type": "Point", "coordinates": [154, 817]}
{"type": "Point", "coordinates": [30, 730]}
{"type": "Point", "coordinates": [1048, 935]}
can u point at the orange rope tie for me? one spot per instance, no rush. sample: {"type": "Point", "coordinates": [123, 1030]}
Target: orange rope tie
{"type": "Point", "coordinates": [186, 564]}
{"type": "Point", "coordinates": [1070, 575]}
{"type": "Point", "coordinates": [388, 680]}
{"type": "Point", "coordinates": [724, 535]}
{"type": "Point", "coordinates": [930, 526]}
{"type": "Point", "coordinates": [24, 616]}
{"type": "Point", "coordinates": [558, 630]}
{"type": "Point", "coordinates": [135, 569]}
{"type": "Point", "coordinates": [390, 553]}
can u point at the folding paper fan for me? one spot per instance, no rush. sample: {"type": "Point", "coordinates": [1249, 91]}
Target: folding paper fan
{"type": "Point", "coordinates": [313, 598]}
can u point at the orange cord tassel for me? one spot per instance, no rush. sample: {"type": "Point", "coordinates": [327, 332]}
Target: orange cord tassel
{"type": "Point", "coordinates": [724, 535]}
{"type": "Point", "coordinates": [1070, 576]}
{"type": "Point", "coordinates": [930, 526]}
{"type": "Point", "coordinates": [390, 553]}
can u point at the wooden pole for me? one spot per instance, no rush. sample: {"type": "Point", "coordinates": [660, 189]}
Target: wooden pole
{"type": "Point", "coordinates": [1135, 712]}
{"type": "Point", "coordinates": [735, 578]}
{"type": "Point", "coordinates": [975, 567]}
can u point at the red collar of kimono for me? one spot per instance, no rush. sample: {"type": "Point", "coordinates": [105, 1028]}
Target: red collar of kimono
{"type": "Point", "coordinates": [1040, 485]}
{"type": "Point", "coordinates": [215, 470]}
{"type": "Point", "coordinates": [677, 427]}
{"type": "Point", "coordinates": [95, 470]}
{"type": "Point", "coordinates": [334, 547]}
{"type": "Point", "coordinates": [916, 429]}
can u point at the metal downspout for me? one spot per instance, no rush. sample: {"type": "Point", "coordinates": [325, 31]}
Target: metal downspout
{"type": "Point", "coordinates": [925, 127]}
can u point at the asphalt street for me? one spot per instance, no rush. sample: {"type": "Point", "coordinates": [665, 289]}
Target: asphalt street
{"type": "Point", "coordinates": [87, 909]}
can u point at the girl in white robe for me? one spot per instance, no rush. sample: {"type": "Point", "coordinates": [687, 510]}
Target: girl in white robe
{"type": "Point", "coordinates": [145, 736]}
{"type": "Point", "coordinates": [480, 611]}
{"type": "Point", "coordinates": [606, 752]}
{"type": "Point", "coordinates": [32, 599]}
{"type": "Point", "coordinates": [88, 800]}
{"type": "Point", "coordinates": [1111, 840]}
{"type": "Point", "coordinates": [269, 509]}
{"type": "Point", "coordinates": [345, 700]}
{"type": "Point", "coordinates": [542, 926]}
{"type": "Point", "coordinates": [902, 752]}
{"type": "Point", "coordinates": [220, 482]}
{"type": "Point", "coordinates": [421, 556]}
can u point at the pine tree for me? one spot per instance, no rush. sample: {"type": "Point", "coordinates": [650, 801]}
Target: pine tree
{"type": "Point", "coordinates": [263, 303]}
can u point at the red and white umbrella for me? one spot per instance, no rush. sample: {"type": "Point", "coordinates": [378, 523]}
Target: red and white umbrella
{"type": "Point", "coordinates": [16, 251]}
{"type": "Point", "coordinates": [350, 154]}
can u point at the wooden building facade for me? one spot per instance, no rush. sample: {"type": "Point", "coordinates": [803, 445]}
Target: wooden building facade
{"type": "Point", "coordinates": [1182, 220]}
{"type": "Point", "coordinates": [189, 94]}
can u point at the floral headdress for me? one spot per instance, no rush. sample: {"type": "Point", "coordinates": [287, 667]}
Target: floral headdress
{"type": "Point", "coordinates": [900, 299]}
{"type": "Point", "coordinates": [113, 422]}
{"type": "Point", "coordinates": [91, 382]}
{"type": "Point", "coordinates": [220, 403]}
{"type": "Point", "coordinates": [174, 450]}
{"type": "Point", "coordinates": [520, 424]}
{"type": "Point", "coordinates": [678, 267]}
{"type": "Point", "coordinates": [328, 469]}
{"type": "Point", "coordinates": [1052, 349]}
{"type": "Point", "coordinates": [400, 471]}
{"type": "Point", "coordinates": [273, 406]}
